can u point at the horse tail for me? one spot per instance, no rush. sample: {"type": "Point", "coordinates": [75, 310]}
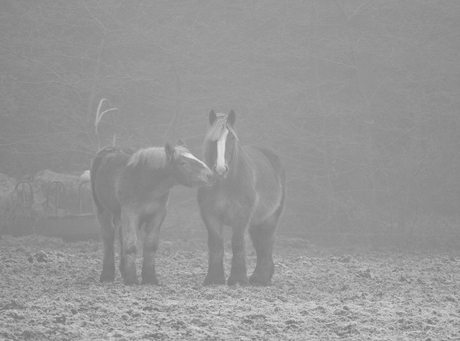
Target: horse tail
{"type": "Point", "coordinates": [103, 157]}
{"type": "Point", "coordinates": [283, 191]}
{"type": "Point", "coordinates": [278, 167]}
{"type": "Point", "coordinates": [94, 169]}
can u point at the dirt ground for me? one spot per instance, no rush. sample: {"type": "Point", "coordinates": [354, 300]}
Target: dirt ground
{"type": "Point", "coordinates": [49, 290]}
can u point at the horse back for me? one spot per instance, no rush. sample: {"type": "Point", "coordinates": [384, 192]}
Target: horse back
{"type": "Point", "coordinates": [275, 160]}
{"type": "Point", "coordinates": [269, 180]}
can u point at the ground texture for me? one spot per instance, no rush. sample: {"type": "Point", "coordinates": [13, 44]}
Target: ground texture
{"type": "Point", "coordinates": [49, 290]}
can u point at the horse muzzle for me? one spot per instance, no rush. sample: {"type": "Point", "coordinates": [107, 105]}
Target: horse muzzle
{"type": "Point", "coordinates": [210, 178]}
{"type": "Point", "coordinates": [221, 171]}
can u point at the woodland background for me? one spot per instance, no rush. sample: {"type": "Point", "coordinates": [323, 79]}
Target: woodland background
{"type": "Point", "coordinates": [361, 98]}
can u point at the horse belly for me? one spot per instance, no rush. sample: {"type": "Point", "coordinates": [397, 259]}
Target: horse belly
{"type": "Point", "coordinates": [267, 185]}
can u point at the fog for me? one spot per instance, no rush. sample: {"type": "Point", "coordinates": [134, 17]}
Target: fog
{"type": "Point", "coordinates": [360, 99]}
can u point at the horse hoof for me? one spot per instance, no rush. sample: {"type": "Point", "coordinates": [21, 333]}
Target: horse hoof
{"type": "Point", "coordinates": [130, 281]}
{"type": "Point", "coordinates": [150, 281]}
{"type": "Point", "coordinates": [107, 278]}
{"type": "Point", "coordinates": [259, 281]}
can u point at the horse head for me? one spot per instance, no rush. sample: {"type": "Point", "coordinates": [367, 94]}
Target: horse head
{"type": "Point", "coordinates": [185, 168]}
{"type": "Point", "coordinates": [221, 142]}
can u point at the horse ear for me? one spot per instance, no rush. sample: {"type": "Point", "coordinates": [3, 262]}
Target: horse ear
{"type": "Point", "coordinates": [212, 117]}
{"type": "Point", "coordinates": [231, 118]}
{"type": "Point", "coordinates": [169, 151]}
{"type": "Point", "coordinates": [180, 143]}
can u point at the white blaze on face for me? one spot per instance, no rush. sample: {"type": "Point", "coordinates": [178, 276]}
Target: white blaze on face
{"type": "Point", "coordinates": [220, 163]}
{"type": "Point", "coordinates": [193, 157]}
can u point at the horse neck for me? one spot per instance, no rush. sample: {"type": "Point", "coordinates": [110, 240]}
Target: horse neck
{"type": "Point", "coordinates": [160, 179]}
{"type": "Point", "coordinates": [169, 179]}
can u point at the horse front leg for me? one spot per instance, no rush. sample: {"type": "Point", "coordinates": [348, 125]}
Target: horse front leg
{"type": "Point", "coordinates": [152, 237]}
{"type": "Point", "coordinates": [108, 237]}
{"type": "Point", "coordinates": [216, 274]}
{"type": "Point", "coordinates": [238, 272]}
{"type": "Point", "coordinates": [128, 241]}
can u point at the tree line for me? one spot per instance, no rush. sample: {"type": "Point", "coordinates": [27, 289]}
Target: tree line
{"type": "Point", "coordinates": [360, 98]}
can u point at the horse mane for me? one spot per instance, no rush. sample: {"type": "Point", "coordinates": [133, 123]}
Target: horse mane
{"type": "Point", "coordinates": [154, 157]}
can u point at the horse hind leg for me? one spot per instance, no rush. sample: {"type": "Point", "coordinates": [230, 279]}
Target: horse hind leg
{"type": "Point", "coordinates": [107, 236]}
{"type": "Point", "coordinates": [128, 242]}
{"type": "Point", "coordinates": [152, 236]}
{"type": "Point", "coordinates": [263, 238]}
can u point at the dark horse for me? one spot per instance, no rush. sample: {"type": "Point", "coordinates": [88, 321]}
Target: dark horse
{"type": "Point", "coordinates": [249, 194]}
{"type": "Point", "coordinates": [131, 189]}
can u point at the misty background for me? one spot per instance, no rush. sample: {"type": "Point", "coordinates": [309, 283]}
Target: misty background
{"type": "Point", "coordinates": [360, 98]}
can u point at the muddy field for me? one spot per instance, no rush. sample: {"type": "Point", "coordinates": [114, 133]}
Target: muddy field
{"type": "Point", "coordinates": [49, 290]}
